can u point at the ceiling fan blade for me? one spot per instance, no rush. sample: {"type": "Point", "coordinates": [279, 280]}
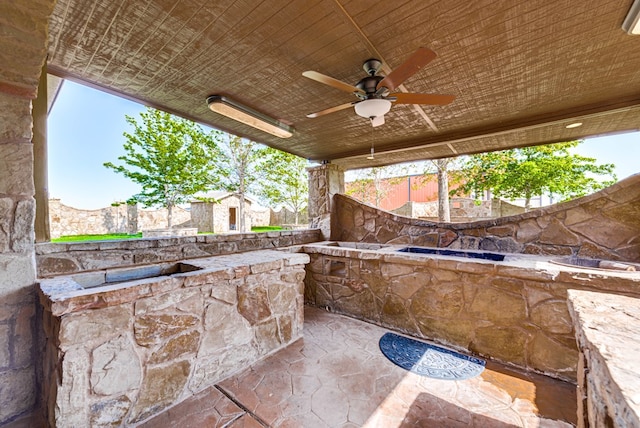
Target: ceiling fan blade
{"type": "Point", "coordinates": [338, 84]}
{"type": "Point", "coordinates": [331, 110]}
{"type": "Point", "coordinates": [415, 62]}
{"type": "Point", "coordinates": [432, 99]}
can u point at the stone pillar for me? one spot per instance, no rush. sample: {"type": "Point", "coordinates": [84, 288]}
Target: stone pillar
{"type": "Point", "coordinates": [324, 181]}
{"type": "Point", "coordinates": [40, 160]}
{"type": "Point", "coordinates": [132, 219]}
{"type": "Point", "coordinates": [24, 51]}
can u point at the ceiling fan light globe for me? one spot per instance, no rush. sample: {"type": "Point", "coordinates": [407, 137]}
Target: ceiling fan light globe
{"type": "Point", "coordinates": [372, 108]}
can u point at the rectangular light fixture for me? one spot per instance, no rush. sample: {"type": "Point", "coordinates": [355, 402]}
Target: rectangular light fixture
{"type": "Point", "coordinates": [631, 23]}
{"type": "Point", "coordinates": [243, 114]}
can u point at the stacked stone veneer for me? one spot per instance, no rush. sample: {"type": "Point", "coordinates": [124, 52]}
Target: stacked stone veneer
{"type": "Point", "coordinates": [118, 354]}
{"type": "Point", "coordinates": [604, 225]}
{"type": "Point", "coordinates": [59, 259]}
{"type": "Point", "coordinates": [325, 182]}
{"type": "Point", "coordinates": [513, 311]}
{"type": "Point", "coordinates": [23, 43]}
{"type": "Point", "coordinates": [608, 334]}
{"type": "Point", "coordinates": [462, 209]}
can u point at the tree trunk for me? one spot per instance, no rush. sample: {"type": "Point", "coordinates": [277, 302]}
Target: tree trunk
{"type": "Point", "coordinates": [296, 215]}
{"type": "Point", "coordinates": [444, 213]}
{"type": "Point", "coordinates": [240, 219]}
{"type": "Point", "coordinates": [527, 203]}
{"type": "Point", "coordinates": [169, 216]}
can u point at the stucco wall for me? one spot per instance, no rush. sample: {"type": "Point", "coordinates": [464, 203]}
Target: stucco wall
{"type": "Point", "coordinates": [604, 225]}
{"type": "Point", "coordinates": [210, 217]}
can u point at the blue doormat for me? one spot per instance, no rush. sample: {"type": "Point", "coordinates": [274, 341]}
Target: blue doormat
{"type": "Point", "coordinates": [428, 360]}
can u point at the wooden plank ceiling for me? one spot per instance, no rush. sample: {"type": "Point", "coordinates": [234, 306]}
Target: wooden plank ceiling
{"type": "Point", "coordinates": [520, 70]}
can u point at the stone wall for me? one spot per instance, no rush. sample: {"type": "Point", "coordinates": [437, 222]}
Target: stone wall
{"type": "Point", "coordinates": [66, 258]}
{"type": "Point", "coordinates": [512, 311]}
{"type": "Point", "coordinates": [284, 216]}
{"type": "Point", "coordinates": [608, 335]}
{"type": "Point", "coordinates": [119, 354]}
{"type": "Point", "coordinates": [124, 218]}
{"type": "Point", "coordinates": [261, 216]}
{"type": "Point", "coordinates": [325, 181]}
{"type": "Point", "coordinates": [604, 225]}
{"type": "Point", "coordinates": [23, 43]}
{"type": "Point", "coordinates": [462, 209]}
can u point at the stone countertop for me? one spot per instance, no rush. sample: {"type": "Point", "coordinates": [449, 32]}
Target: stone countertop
{"type": "Point", "coordinates": [66, 294]}
{"type": "Point", "coordinates": [608, 327]}
{"type": "Point", "coordinates": [518, 265]}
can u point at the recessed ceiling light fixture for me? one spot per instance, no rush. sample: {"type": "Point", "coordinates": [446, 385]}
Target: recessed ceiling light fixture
{"type": "Point", "coordinates": [243, 114]}
{"type": "Point", "coordinates": [631, 23]}
{"type": "Point", "coordinates": [573, 125]}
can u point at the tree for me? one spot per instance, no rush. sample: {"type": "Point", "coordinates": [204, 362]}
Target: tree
{"type": "Point", "coordinates": [287, 181]}
{"type": "Point", "coordinates": [240, 169]}
{"type": "Point", "coordinates": [442, 168]}
{"type": "Point", "coordinates": [169, 157]}
{"type": "Point", "coordinates": [373, 184]}
{"type": "Point", "coordinates": [531, 171]}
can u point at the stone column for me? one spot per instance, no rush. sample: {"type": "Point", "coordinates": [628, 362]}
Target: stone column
{"type": "Point", "coordinates": [324, 181]}
{"type": "Point", "coordinates": [24, 50]}
{"type": "Point", "coordinates": [132, 219]}
{"type": "Point", "coordinates": [40, 160]}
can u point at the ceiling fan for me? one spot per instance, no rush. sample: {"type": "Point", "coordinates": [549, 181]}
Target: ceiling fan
{"type": "Point", "coordinates": [376, 93]}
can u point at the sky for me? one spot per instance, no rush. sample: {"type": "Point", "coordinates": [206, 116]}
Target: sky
{"type": "Point", "coordinates": [86, 126]}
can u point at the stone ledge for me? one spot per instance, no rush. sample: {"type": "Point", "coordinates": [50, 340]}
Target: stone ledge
{"type": "Point", "coordinates": [66, 294]}
{"type": "Point", "coordinates": [74, 258]}
{"type": "Point", "coordinates": [608, 334]}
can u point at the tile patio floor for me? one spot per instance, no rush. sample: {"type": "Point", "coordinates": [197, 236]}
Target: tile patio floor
{"type": "Point", "coordinates": [337, 377]}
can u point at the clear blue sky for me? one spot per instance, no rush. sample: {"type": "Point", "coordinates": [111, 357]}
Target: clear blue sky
{"type": "Point", "coordinates": [86, 126]}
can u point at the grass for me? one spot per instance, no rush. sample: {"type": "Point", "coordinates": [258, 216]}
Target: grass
{"type": "Point", "coordinates": [109, 236]}
{"type": "Point", "coordinates": [265, 228]}
{"type": "Point", "coordinates": [104, 237]}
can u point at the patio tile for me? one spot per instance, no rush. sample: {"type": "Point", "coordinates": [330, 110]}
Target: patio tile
{"type": "Point", "coordinates": [344, 381]}
{"type": "Point", "coordinates": [209, 408]}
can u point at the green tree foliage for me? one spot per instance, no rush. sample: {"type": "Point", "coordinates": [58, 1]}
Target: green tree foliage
{"type": "Point", "coordinates": [169, 157]}
{"type": "Point", "coordinates": [523, 173]}
{"type": "Point", "coordinates": [287, 181]}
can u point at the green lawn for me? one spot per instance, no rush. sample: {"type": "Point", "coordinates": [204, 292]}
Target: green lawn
{"type": "Point", "coordinates": [265, 228]}
{"type": "Point", "coordinates": [81, 238]}
{"type": "Point", "coordinates": [108, 236]}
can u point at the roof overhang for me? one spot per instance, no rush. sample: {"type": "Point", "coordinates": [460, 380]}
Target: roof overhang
{"type": "Point", "coordinates": [520, 70]}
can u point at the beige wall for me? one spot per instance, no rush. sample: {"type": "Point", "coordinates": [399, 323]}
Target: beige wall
{"type": "Point", "coordinates": [23, 48]}
{"type": "Point", "coordinates": [209, 217]}
{"type": "Point", "coordinates": [65, 220]}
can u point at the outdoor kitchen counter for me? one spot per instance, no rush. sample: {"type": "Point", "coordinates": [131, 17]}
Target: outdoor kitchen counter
{"type": "Point", "coordinates": [122, 345]}
{"type": "Point", "coordinates": [608, 334]}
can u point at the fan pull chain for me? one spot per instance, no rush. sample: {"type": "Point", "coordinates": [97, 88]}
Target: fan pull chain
{"type": "Point", "coordinates": [371, 156]}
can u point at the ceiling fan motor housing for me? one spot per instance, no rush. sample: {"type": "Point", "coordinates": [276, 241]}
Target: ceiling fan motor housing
{"type": "Point", "coordinates": [369, 85]}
